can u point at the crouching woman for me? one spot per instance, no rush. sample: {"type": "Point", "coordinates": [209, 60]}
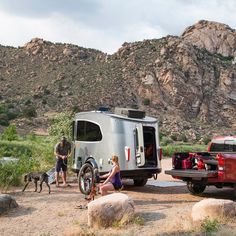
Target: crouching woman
{"type": "Point", "coordinates": [113, 180]}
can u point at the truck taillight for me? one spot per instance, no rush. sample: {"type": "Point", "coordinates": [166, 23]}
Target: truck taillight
{"type": "Point", "coordinates": [221, 164]}
{"type": "Point", "coordinates": [221, 161]}
{"type": "Point", "coordinates": [160, 154]}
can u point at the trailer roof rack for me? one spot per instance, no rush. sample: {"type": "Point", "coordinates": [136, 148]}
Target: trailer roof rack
{"type": "Point", "coordinates": [103, 108]}
{"type": "Point", "coordinates": [131, 113]}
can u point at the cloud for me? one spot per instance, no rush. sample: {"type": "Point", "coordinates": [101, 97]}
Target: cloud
{"type": "Point", "coordinates": [103, 24]}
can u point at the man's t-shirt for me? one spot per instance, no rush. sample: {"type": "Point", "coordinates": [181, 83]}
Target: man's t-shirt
{"type": "Point", "coordinates": [63, 150]}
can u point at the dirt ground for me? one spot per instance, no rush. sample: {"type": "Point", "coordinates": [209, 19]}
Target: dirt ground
{"type": "Point", "coordinates": [165, 210]}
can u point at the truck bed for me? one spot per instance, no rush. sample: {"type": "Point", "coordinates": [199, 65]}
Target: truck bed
{"type": "Point", "coordinates": [192, 173]}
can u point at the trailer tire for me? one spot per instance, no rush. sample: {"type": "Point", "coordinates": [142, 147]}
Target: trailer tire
{"type": "Point", "coordinates": [140, 182]}
{"type": "Point", "coordinates": [196, 188]}
{"type": "Point", "coordinates": [86, 178]}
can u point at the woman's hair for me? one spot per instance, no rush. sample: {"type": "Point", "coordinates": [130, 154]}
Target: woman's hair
{"type": "Point", "coordinates": [115, 159]}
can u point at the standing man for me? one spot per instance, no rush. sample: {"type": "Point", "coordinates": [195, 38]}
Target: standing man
{"type": "Point", "coordinates": [62, 151]}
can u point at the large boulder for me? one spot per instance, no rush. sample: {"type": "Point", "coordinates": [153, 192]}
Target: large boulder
{"type": "Point", "coordinates": [7, 202]}
{"type": "Point", "coordinates": [107, 210]}
{"type": "Point", "coordinates": [213, 208]}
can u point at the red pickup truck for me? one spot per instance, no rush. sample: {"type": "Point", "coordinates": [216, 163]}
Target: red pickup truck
{"type": "Point", "coordinates": [200, 169]}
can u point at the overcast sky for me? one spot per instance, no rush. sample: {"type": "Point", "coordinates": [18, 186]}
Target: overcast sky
{"type": "Point", "coordinates": [105, 24]}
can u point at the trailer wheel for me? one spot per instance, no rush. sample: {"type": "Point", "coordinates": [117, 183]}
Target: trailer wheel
{"type": "Point", "coordinates": [86, 178]}
{"type": "Point", "coordinates": [140, 182]}
{"type": "Point", "coordinates": [196, 188]}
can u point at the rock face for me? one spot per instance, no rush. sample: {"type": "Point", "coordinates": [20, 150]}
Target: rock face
{"type": "Point", "coordinates": [7, 202]}
{"type": "Point", "coordinates": [187, 82]}
{"type": "Point", "coordinates": [105, 211]}
{"type": "Point", "coordinates": [213, 36]}
{"type": "Point", "coordinates": [213, 208]}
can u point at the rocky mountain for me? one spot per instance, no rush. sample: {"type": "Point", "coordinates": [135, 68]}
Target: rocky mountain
{"type": "Point", "coordinates": [188, 82]}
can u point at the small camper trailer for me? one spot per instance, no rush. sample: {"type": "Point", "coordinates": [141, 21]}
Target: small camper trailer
{"type": "Point", "coordinates": [127, 133]}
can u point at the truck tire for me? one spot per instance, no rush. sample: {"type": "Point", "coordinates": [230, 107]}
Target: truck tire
{"type": "Point", "coordinates": [140, 182]}
{"type": "Point", "coordinates": [196, 188]}
{"type": "Point", "coordinates": [86, 178]}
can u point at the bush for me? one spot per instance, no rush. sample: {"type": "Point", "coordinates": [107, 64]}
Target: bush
{"type": "Point", "coordinates": [174, 136]}
{"type": "Point", "coordinates": [40, 149]}
{"type": "Point", "coordinates": [209, 225]}
{"type": "Point", "coordinates": [4, 120]}
{"type": "Point", "coordinates": [165, 141]}
{"type": "Point", "coordinates": [10, 133]}
{"type": "Point", "coordinates": [206, 140]}
{"type": "Point", "coordinates": [61, 125]}
{"type": "Point", "coordinates": [6, 114]}
{"type": "Point", "coordinates": [14, 149]}
{"type": "Point", "coordinates": [11, 172]}
{"type": "Point", "coordinates": [29, 112]}
{"type": "Point", "coordinates": [183, 138]}
{"type": "Point", "coordinates": [34, 154]}
{"type": "Point", "coordinates": [146, 102]}
{"type": "Point", "coordinates": [169, 150]}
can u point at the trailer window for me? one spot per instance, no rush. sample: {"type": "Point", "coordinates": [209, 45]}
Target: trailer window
{"type": "Point", "coordinates": [88, 131]}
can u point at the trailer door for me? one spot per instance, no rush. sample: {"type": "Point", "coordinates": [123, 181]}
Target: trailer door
{"type": "Point", "coordinates": [140, 157]}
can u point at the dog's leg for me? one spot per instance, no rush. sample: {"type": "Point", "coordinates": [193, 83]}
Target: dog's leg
{"type": "Point", "coordinates": [25, 186]}
{"type": "Point", "coordinates": [36, 185]}
{"type": "Point", "coordinates": [49, 189]}
{"type": "Point", "coordinates": [40, 185]}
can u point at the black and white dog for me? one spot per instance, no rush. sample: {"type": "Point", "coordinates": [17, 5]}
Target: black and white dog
{"type": "Point", "coordinates": [37, 176]}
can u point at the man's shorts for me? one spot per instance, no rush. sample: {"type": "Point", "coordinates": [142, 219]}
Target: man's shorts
{"type": "Point", "coordinates": [61, 165]}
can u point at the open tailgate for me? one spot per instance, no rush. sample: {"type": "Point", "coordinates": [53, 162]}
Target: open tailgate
{"type": "Point", "coordinates": [192, 173]}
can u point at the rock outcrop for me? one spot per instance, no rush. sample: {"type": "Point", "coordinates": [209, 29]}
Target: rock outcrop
{"type": "Point", "coordinates": [7, 202]}
{"type": "Point", "coordinates": [215, 37]}
{"type": "Point", "coordinates": [212, 209]}
{"type": "Point", "coordinates": [110, 209]}
{"type": "Point", "coordinates": [188, 82]}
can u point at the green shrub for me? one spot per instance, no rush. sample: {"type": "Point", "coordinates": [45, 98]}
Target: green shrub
{"type": "Point", "coordinates": [10, 133]}
{"type": "Point", "coordinates": [4, 120]}
{"type": "Point", "coordinates": [146, 101]}
{"type": "Point", "coordinates": [183, 138]}
{"type": "Point", "coordinates": [6, 114]}
{"type": "Point", "coordinates": [165, 141]}
{"type": "Point", "coordinates": [138, 220]}
{"type": "Point", "coordinates": [210, 225]}
{"type": "Point", "coordinates": [14, 149]}
{"type": "Point", "coordinates": [174, 136]}
{"type": "Point", "coordinates": [206, 140]}
{"type": "Point", "coordinates": [29, 112]}
{"type": "Point", "coordinates": [27, 102]}
{"type": "Point", "coordinates": [11, 172]}
{"type": "Point", "coordinates": [40, 149]}
{"type": "Point", "coordinates": [169, 150]}
{"type": "Point", "coordinates": [3, 108]}
{"type": "Point", "coordinates": [61, 125]}
{"type": "Point", "coordinates": [12, 115]}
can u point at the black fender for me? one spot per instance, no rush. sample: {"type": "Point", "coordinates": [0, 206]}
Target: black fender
{"type": "Point", "coordinates": [92, 161]}
{"type": "Point", "coordinates": [94, 164]}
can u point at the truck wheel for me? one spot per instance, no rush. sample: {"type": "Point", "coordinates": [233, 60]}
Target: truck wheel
{"type": "Point", "coordinates": [196, 188]}
{"type": "Point", "coordinates": [140, 182]}
{"type": "Point", "coordinates": [86, 178]}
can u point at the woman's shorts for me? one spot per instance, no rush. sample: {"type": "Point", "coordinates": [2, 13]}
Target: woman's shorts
{"type": "Point", "coordinates": [117, 187]}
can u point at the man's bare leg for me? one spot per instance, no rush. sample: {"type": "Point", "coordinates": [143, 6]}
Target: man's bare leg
{"type": "Point", "coordinates": [64, 178]}
{"type": "Point", "coordinates": [57, 178]}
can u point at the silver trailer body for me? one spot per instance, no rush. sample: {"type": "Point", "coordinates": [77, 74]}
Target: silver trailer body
{"type": "Point", "coordinates": [98, 135]}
